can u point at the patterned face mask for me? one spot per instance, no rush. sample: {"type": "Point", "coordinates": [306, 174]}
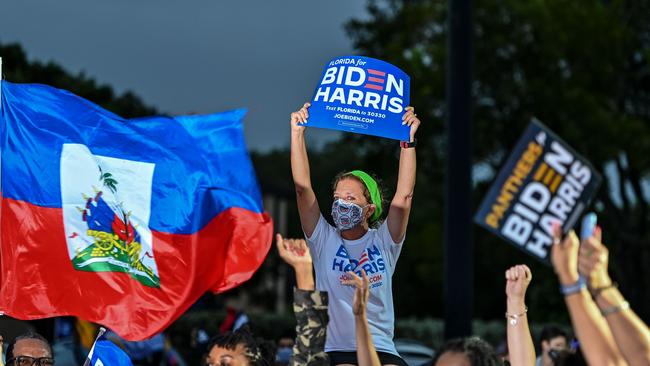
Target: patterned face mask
{"type": "Point", "coordinates": [346, 214]}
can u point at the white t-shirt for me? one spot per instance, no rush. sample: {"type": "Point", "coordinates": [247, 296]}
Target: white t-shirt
{"type": "Point", "coordinates": [333, 256]}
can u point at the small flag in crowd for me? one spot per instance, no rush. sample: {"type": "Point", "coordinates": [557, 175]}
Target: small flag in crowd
{"type": "Point", "coordinates": [104, 352]}
{"type": "Point", "coordinates": [125, 223]}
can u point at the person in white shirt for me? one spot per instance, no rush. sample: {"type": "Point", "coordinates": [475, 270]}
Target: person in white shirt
{"type": "Point", "coordinates": [353, 243]}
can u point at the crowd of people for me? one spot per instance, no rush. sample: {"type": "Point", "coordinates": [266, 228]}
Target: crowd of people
{"type": "Point", "coordinates": [608, 332]}
{"type": "Point", "coordinates": [360, 246]}
{"type": "Point", "coordinates": [344, 314]}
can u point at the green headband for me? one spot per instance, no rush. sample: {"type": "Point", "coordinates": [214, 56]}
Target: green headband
{"type": "Point", "coordinates": [375, 196]}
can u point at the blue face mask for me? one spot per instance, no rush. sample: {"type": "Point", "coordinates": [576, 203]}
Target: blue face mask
{"type": "Point", "coordinates": [346, 214]}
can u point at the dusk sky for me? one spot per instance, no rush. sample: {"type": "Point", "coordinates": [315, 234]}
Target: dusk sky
{"type": "Point", "coordinates": [194, 56]}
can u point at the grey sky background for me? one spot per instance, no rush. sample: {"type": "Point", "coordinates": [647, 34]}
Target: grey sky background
{"type": "Point", "coordinates": [194, 56]}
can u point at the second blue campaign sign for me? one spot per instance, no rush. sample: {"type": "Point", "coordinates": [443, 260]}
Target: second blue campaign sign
{"type": "Point", "coordinates": [361, 95]}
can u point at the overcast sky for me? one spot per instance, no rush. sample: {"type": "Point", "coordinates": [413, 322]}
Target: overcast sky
{"type": "Point", "coordinates": [193, 56]}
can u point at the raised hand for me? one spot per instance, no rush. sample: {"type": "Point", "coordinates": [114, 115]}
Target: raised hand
{"type": "Point", "coordinates": [299, 118]}
{"type": "Point", "coordinates": [520, 343]}
{"type": "Point", "coordinates": [293, 251]}
{"type": "Point", "coordinates": [517, 280]}
{"type": "Point", "coordinates": [361, 293]}
{"type": "Point", "coordinates": [593, 259]}
{"type": "Point", "coordinates": [296, 253]}
{"type": "Point", "coordinates": [410, 118]}
{"type": "Point", "coordinates": [564, 256]}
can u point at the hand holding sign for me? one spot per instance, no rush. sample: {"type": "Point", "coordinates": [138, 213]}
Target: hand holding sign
{"type": "Point", "coordinates": [593, 259]}
{"type": "Point", "coordinates": [411, 119]}
{"type": "Point", "coordinates": [299, 118]}
{"type": "Point", "coordinates": [565, 256]}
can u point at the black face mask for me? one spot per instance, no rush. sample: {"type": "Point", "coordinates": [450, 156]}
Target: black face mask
{"type": "Point", "coordinates": [564, 357]}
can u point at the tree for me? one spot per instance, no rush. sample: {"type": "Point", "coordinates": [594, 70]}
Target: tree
{"type": "Point", "coordinates": [17, 68]}
{"type": "Point", "coordinates": [582, 68]}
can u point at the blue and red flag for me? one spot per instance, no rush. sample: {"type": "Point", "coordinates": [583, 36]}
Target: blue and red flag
{"type": "Point", "coordinates": [123, 222]}
{"type": "Point", "coordinates": [106, 353]}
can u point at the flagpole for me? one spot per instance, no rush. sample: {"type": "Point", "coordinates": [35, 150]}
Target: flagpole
{"type": "Point", "coordinates": [101, 332]}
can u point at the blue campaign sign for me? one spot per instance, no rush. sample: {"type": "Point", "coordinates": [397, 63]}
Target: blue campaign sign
{"type": "Point", "coordinates": [544, 181]}
{"type": "Point", "coordinates": [361, 95]}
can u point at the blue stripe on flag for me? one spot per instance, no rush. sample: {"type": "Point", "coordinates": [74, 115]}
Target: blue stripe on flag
{"type": "Point", "coordinates": [201, 163]}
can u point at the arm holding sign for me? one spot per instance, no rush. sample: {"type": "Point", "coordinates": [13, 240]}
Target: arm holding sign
{"type": "Point", "coordinates": [400, 206]}
{"type": "Point", "coordinates": [307, 204]}
{"type": "Point", "coordinates": [596, 340]}
{"type": "Point", "coordinates": [630, 332]}
{"type": "Point", "coordinates": [520, 342]}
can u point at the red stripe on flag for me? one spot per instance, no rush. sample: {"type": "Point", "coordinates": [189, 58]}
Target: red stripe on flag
{"type": "Point", "coordinates": [39, 281]}
{"type": "Point", "coordinates": [375, 80]}
{"type": "Point", "coordinates": [373, 86]}
{"type": "Point", "coordinates": [376, 72]}
{"type": "Point", "coordinates": [362, 262]}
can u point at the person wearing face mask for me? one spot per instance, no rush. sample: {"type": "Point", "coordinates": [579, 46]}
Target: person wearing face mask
{"type": "Point", "coordinates": [357, 241]}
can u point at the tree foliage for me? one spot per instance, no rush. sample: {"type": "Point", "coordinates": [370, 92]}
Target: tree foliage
{"type": "Point", "coordinates": [18, 69]}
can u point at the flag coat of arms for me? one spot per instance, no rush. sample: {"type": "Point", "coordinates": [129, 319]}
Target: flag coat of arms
{"type": "Point", "coordinates": [121, 222]}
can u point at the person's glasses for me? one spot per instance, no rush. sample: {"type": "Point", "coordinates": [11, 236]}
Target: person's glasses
{"type": "Point", "coordinates": [30, 361]}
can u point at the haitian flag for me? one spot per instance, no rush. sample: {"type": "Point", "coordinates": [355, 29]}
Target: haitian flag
{"type": "Point", "coordinates": [125, 223]}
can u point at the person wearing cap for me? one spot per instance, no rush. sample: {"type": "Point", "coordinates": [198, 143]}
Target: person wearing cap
{"type": "Point", "coordinates": [358, 240]}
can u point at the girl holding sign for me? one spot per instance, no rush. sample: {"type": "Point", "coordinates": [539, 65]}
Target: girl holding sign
{"type": "Point", "coordinates": [353, 245]}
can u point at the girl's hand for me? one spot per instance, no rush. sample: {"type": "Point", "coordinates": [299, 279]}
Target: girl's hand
{"type": "Point", "coordinates": [299, 118]}
{"type": "Point", "coordinates": [411, 119]}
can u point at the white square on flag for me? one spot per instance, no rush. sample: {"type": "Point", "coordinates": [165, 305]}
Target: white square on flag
{"type": "Point", "coordinates": [106, 208]}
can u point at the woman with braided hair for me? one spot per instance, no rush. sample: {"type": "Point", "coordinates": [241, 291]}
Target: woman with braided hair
{"type": "Point", "coordinates": [358, 241]}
